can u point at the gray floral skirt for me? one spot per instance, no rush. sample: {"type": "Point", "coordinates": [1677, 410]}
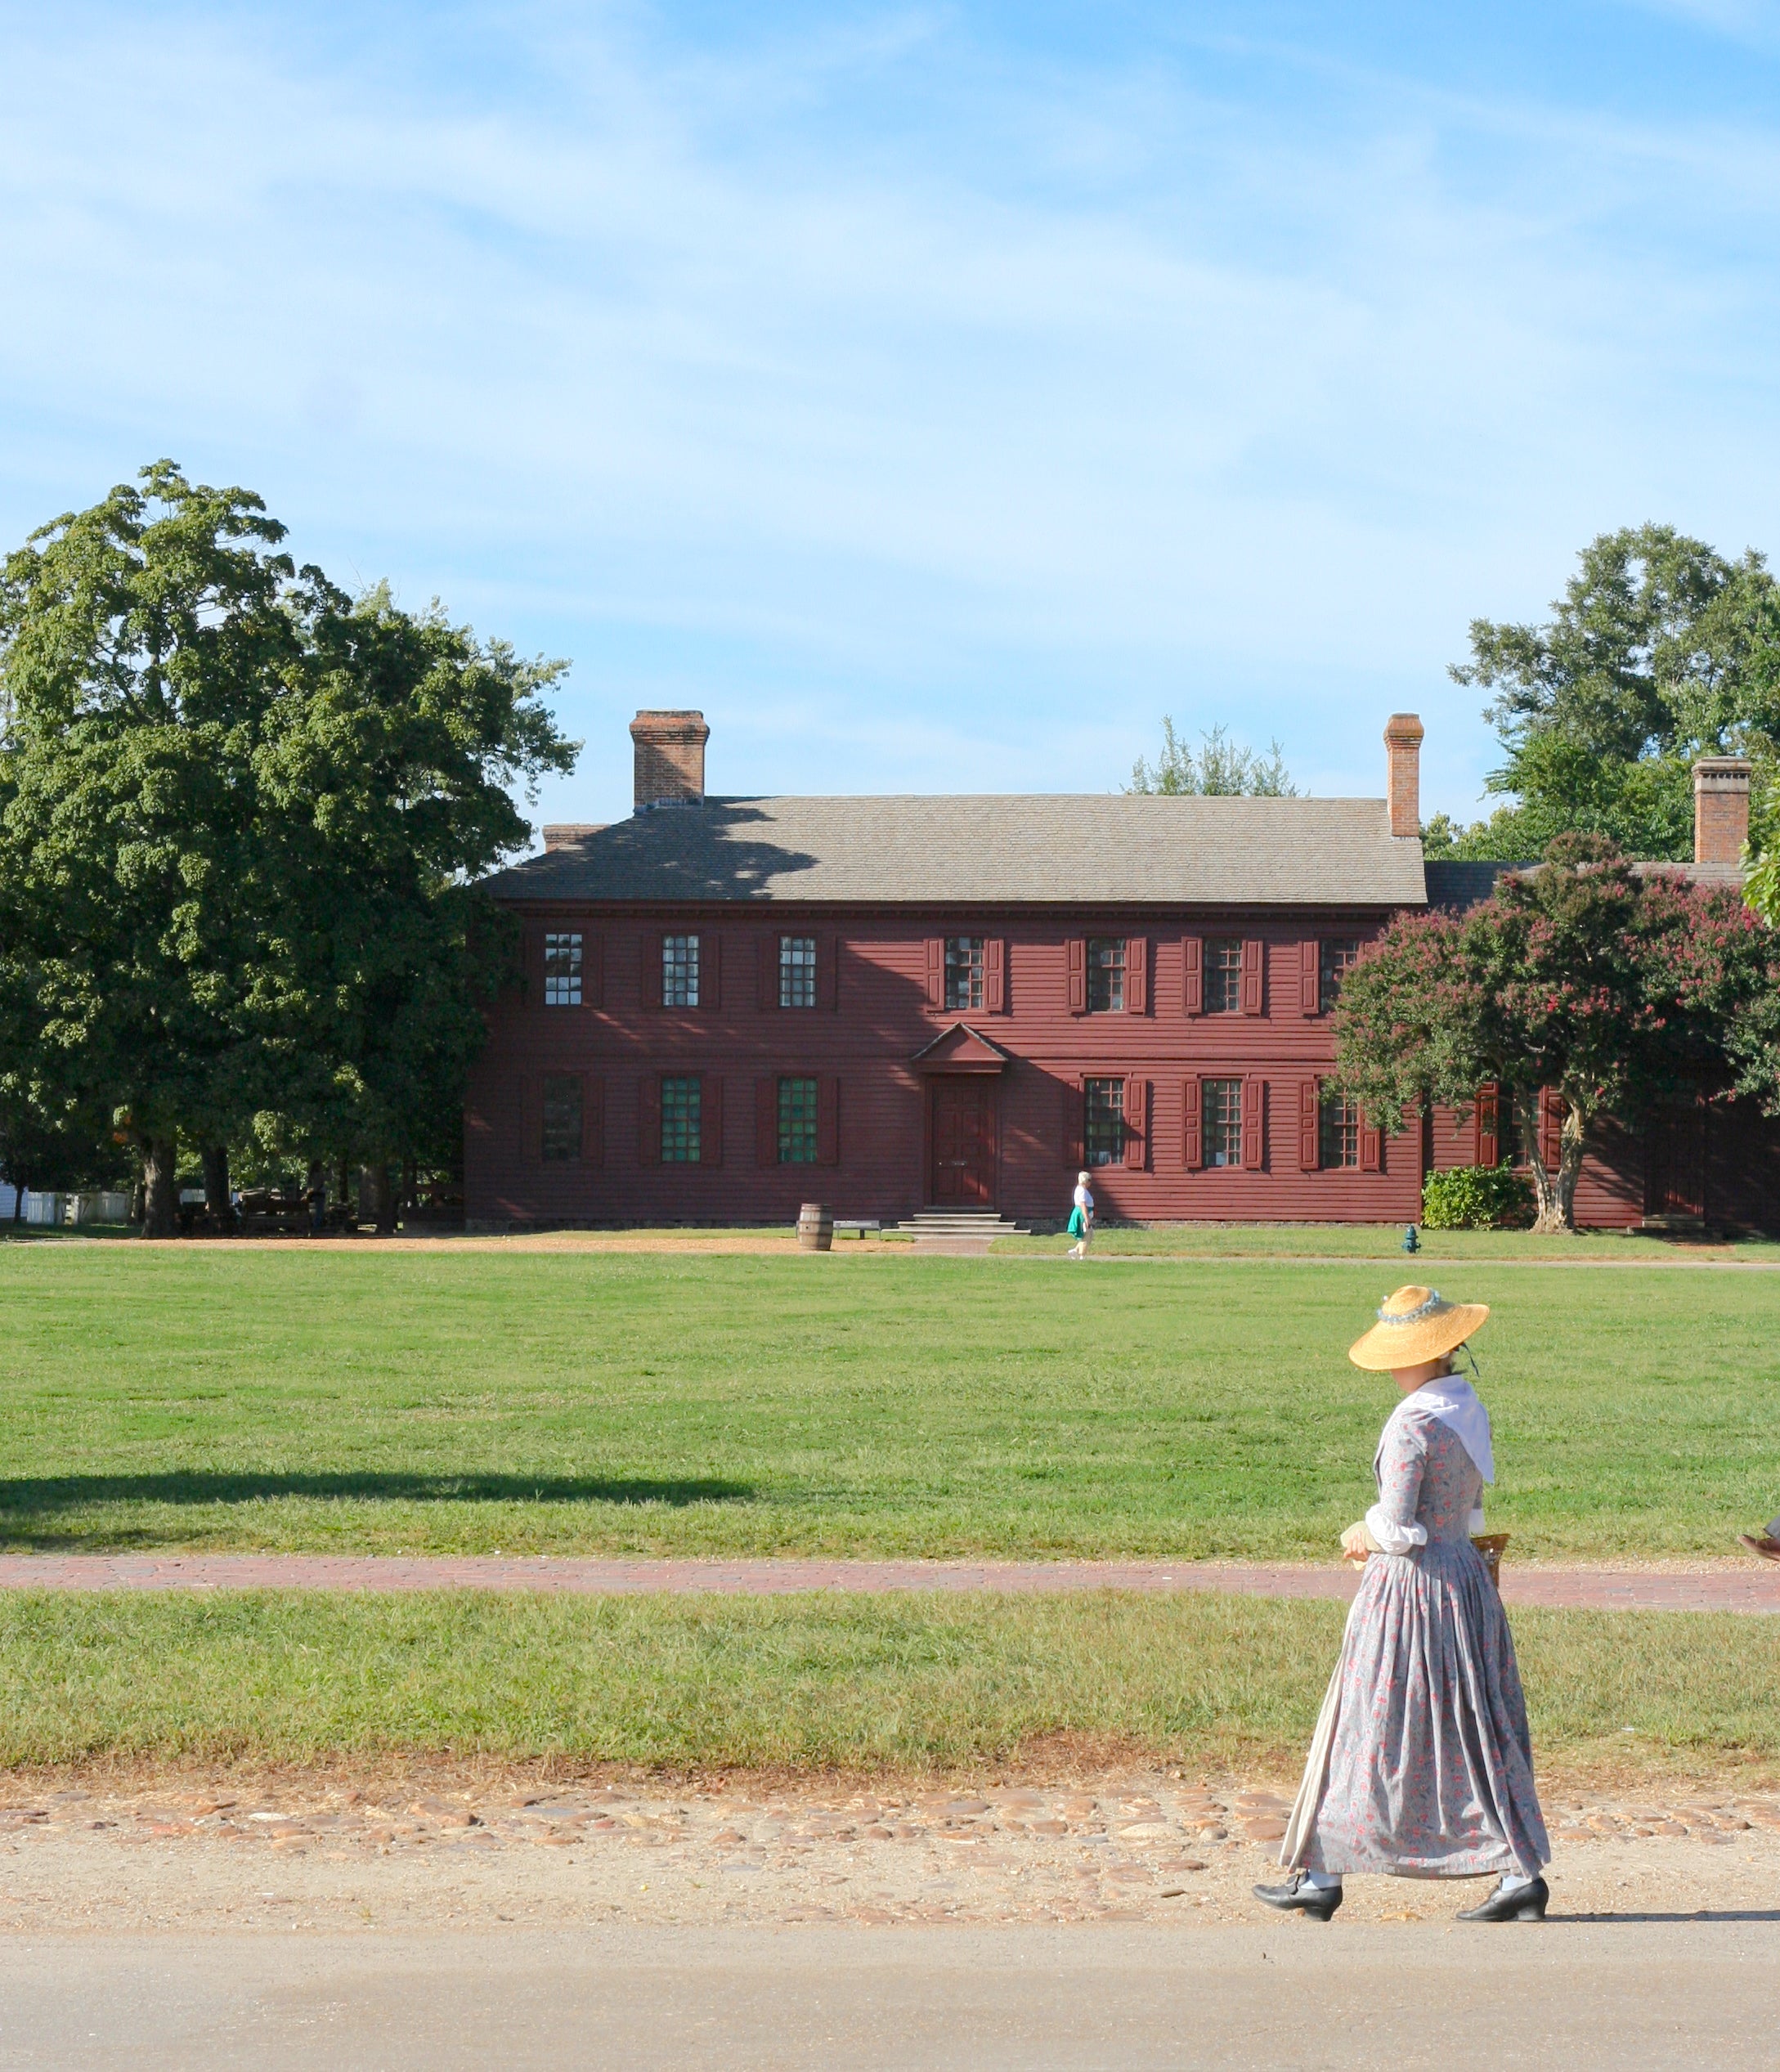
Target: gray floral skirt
{"type": "Point", "coordinates": [1422, 1765]}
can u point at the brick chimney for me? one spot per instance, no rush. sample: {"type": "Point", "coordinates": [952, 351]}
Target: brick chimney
{"type": "Point", "coordinates": [1403, 773]}
{"type": "Point", "coordinates": [565, 834]}
{"type": "Point", "coordinates": [1720, 808]}
{"type": "Point", "coordinates": [670, 759]}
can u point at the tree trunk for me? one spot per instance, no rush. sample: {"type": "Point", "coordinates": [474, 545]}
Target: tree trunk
{"type": "Point", "coordinates": [317, 1191]}
{"type": "Point", "coordinates": [18, 1201]}
{"type": "Point", "coordinates": [1555, 1191]}
{"type": "Point", "coordinates": [383, 1197]}
{"type": "Point", "coordinates": [160, 1205]}
{"type": "Point", "coordinates": [138, 1200]}
{"type": "Point", "coordinates": [216, 1186]}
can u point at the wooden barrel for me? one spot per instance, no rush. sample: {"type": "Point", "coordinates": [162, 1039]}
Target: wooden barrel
{"type": "Point", "coordinates": [815, 1227]}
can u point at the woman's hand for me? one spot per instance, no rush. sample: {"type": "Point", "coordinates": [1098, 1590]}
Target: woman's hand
{"type": "Point", "coordinates": [1356, 1543]}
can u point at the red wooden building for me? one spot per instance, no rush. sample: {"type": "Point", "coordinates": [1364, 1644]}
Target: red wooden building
{"type": "Point", "coordinates": [955, 1002]}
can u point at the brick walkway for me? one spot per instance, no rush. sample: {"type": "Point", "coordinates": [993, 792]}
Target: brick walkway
{"type": "Point", "coordinates": [1731, 1588]}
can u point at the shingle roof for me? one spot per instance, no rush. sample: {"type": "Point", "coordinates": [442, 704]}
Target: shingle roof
{"type": "Point", "coordinates": [1087, 848]}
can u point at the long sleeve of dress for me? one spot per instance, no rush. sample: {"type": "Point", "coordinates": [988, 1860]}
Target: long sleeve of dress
{"type": "Point", "coordinates": [1392, 1520]}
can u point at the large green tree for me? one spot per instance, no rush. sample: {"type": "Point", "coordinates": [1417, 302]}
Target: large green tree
{"type": "Point", "coordinates": [1608, 988]}
{"type": "Point", "coordinates": [240, 816]}
{"type": "Point", "coordinates": [1660, 650]}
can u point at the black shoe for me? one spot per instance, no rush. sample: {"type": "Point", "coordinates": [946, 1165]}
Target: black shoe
{"type": "Point", "coordinates": [1318, 1901]}
{"type": "Point", "coordinates": [1525, 1902]}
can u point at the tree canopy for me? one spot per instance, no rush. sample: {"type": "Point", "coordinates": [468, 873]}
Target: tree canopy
{"type": "Point", "coordinates": [241, 816]}
{"type": "Point", "coordinates": [1659, 651]}
{"type": "Point", "coordinates": [1219, 767]}
{"type": "Point", "coordinates": [1581, 977]}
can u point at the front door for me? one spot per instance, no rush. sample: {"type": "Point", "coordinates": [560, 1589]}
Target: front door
{"type": "Point", "coordinates": [964, 1143]}
{"type": "Point", "coordinates": [1675, 1182]}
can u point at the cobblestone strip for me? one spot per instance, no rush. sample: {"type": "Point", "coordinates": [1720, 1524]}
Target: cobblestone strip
{"type": "Point", "coordinates": [1753, 1590]}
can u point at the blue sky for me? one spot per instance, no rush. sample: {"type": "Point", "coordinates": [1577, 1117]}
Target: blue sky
{"type": "Point", "coordinates": [935, 395]}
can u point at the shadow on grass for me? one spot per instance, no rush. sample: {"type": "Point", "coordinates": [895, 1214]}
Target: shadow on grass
{"type": "Point", "coordinates": [26, 1505]}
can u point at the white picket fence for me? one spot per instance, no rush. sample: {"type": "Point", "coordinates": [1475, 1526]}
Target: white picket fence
{"type": "Point", "coordinates": [56, 1210]}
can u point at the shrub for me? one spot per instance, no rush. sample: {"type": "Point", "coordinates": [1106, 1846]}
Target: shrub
{"type": "Point", "coordinates": [1476, 1198]}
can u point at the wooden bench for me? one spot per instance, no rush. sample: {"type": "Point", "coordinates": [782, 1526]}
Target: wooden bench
{"type": "Point", "coordinates": [859, 1226]}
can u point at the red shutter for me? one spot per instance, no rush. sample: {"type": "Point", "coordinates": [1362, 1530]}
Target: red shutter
{"type": "Point", "coordinates": [1136, 1121]}
{"type": "Point", "coordinates": [1309, 1117]}
{"type": "Point", "coordinates": [1194, 998]}
{"type": "Point", "coordinates": [709, 970]}
{"type": "Point", "coordinates": [1137, 975]}
{"type": "Point", "coordinates": [1076, 965]}
{"type": "Point", "coordinates": [1248, 991]}
{"type": "Point", "coordinates": [650, 967]}
{"type": "Point", "coordinates": [766, 972]}
{"type": "Point", "coordinates": [1192, 1155]}
{"type": "Point", "coordinates": [1254, 1109]}
{"type": "Point", "coordinates": [827, 1120]}
{"type": "Point", "coordinates": [593, 971]}
{"type": "Point", "coordinates": [1551, 1115]}
{"type": "Point", "coordinates": [531, 1119]}
{"type": "Point", "coordinates": [649, 1119]}
{"type": "Point", "coordinates": [593, 1120]}
{"type": "Point", "coordinates": [710, 1119]}
{"type": "Point", "coordinates": [1371, 1145]}
{"type": "Point", "coordinates": [1073, 1124]}
{"type": "Point", "coordinates": [1487, 1126]}
{"type": "Point", "coordinates": [766, 1120]}
{"type": "Point", "coordinates": [828, 973]}
{"type": "Point", "coordinates": [936, 971]}
{"type": "Point", "coordinates": [995, 975]}
{"type": "Point", "coordinates": [1310, 977]}
{"type": "Point", "coordinates": [533, 955]}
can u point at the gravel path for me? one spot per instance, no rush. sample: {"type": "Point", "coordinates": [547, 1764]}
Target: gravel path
{"type": "Point", "coordinates": [1731, 1586]}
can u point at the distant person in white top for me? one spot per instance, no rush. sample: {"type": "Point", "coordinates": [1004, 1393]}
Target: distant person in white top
{"type": "Point", "coordinates": [1080, 1218]}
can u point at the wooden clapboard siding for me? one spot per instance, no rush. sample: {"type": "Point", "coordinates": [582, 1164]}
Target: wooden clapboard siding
{"type": "Point", "coordinates": [876, 1011]}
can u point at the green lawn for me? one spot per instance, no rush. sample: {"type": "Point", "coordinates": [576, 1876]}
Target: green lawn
{"type": "Point", "coordinates": [1384, 1242]}
{"type": "Point", "coordinates": [236, 1396]}
{"type": "Point", "coordinates": [848, 1682]}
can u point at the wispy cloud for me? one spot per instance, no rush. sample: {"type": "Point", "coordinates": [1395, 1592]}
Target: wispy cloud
{"type": "Point", "coordinates": [933, 413]}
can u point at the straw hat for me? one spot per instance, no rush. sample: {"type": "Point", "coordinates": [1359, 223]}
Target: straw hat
{"type": "Point", "coordinates": [1414, 1324]}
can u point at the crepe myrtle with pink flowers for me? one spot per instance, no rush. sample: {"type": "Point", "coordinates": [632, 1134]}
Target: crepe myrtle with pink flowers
{"type": "Point", "coordinates": [1588, 982]}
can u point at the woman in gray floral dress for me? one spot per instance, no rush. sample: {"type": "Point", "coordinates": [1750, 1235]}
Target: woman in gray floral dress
{"type": "Point", "coordinates": [1421, 1766]}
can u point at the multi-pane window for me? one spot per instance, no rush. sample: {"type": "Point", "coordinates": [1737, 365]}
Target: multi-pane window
{"type": "Point", "coordinates": [680, 1104]}
{"type": "Point", "coordinates": [679, 970]}
{"type": "Point", "coordinates": [797, 1122]}
{"type": "Point", "coordinates": [562, 970]}
{"type": "Point", "coordinates": [561, 1118]}
{"type": "Point", "coordinates": [1223, 975]}
{"type": "Point", "coordinates": [1104, 1121]}
{"type": "Point", "coordinates": [1106, 974]}
{"type": "Point", "coordinates": [1221, 1121]}
{"type": "Point", "coordinates": [964, 971]}
{"type": "Point", "coordinates": [797, 970]}
{"type": "Point", "coordinates": [1336, 956]}
{"type": "Point", "coordinates": [1339, 1136]}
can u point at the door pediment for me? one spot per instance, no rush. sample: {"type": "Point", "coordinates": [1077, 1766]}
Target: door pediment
{"type": "Point", "coordinates": [962, 1048]}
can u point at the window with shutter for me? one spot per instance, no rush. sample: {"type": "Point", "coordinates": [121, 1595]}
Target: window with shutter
{"type": "Point", "coordinates": [766, 1120]}
{"type": "Point", "coordinates": [1105, 975]}
{"type": "Point", "coordinates": [1253, 969]}
{"type": "Point", "coordinates": [1254, 1109]}
{"type": "Point", "coordinates": [1310, 1118]}
{"type": "Point", "coordinates": [995, 976]}
{"type": "Point", "coordinates": [1340, 1134]}
{"type": "Point", "coordinates": [936, 971]}
{"type": "Point", "coordinates": [1136, 1123]}
{"type": "Point", "coordinates": [796, 1142]}
{"type": "Point", "coordinates": [1193, 997]}
{"type": "Point", "coordinates": [563, 962]}
{"type": "Point", "coordinates": [680, 1104]}
{"type": "Point", "coordinates": [1487, 1126]}
{"type": "Point", "coordinates": [1192, 1130]}
{"type": "Point", "coordinates": [1076, 963]}
{"type": "Point", "coordinates": [1310, 972]}
{"type": "Point", "coordinates": [562, 1107]}
{"type": "Point", "coordinates": [1338, 955]}
{"type": "Point", "coordinates": [797, 970]}
{"type": "Point", "coordinates": [1222, 993]}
